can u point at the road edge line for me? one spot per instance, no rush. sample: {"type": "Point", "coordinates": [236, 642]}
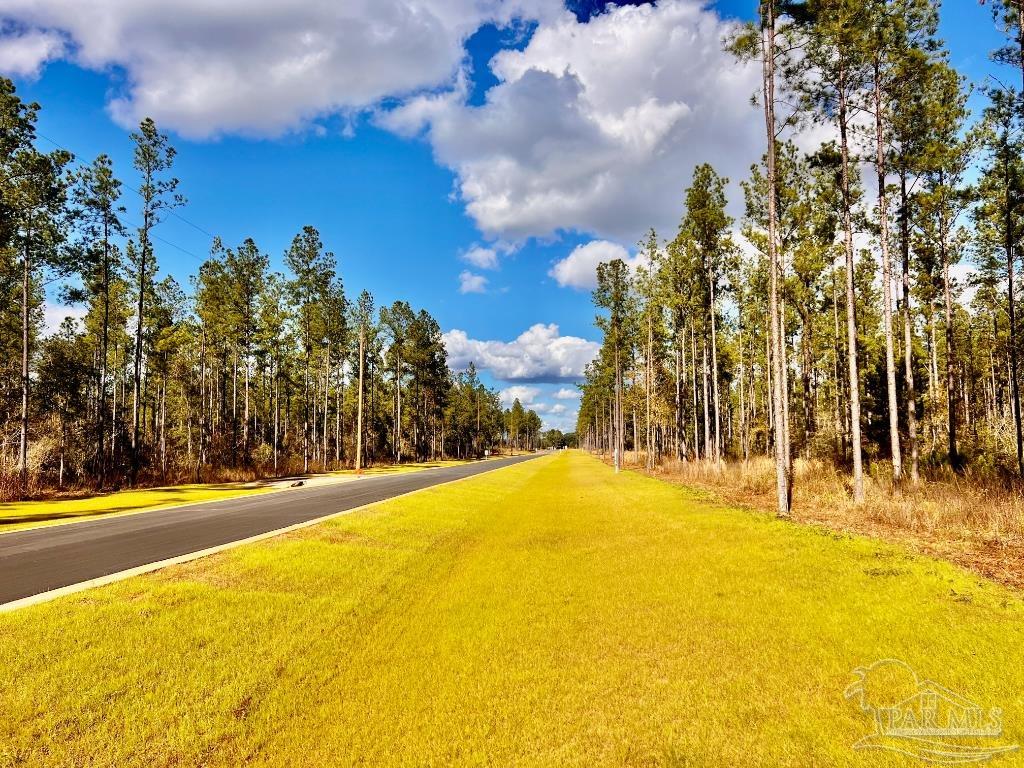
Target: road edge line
{"type": "Point", "coordinates": [139, 570]}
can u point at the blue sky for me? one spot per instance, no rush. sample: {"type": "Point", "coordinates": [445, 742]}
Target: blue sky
{"type": "Point", "coordinates": [403, 174]}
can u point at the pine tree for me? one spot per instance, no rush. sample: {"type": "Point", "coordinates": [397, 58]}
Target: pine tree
{"type": "Point", "coordinates": [613, 296]}
{"type": "Point", "coordinates": [153, 158]}
{"type": "Point", "coordinates": [397, 321]}
{"type": "Point", "coordinates": [97, 194]}
{"type": "Point", "coordinates": [831, 81]}
{"type": "Point", "coordinates": [705, 228]}
{"type": "Point", "coordinates": [313, 269]}
{"type": "Point", "coordinates": [33, 190]}
{"type": "Point", "coordinates": [362, 320]}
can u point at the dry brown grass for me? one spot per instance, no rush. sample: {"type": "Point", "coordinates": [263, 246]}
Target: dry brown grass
{"type": "Point", "coordinates": [971, 523]}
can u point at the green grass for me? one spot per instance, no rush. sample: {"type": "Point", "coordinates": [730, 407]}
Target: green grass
{"type": "Point", "coordinates": [550, 613]}
{"type": "Point", "coordinates": [400, 469]}
{"type": "Point", "coordinates": [18, 515]}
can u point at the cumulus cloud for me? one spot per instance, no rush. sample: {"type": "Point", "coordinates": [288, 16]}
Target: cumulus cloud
{"type": "Point", "coordinates": [595, 127]}
{"type": "Point", "coordinates": [530, 398]}
{"type": "Point", "coordinates": [24, 52]}
{"type": "Point", "coordinates": [525, 395]}
{"type": "Point", "coordinates": [567, 394]}
{"type": "Point", "coordinates": [54, 314]}
{"type": "Point", "coordinates": [553, 415]}
{"type": "Point", "coordinates": [258, 67]}
{"type": "Point", "coordinates": [481, 258]}
{"type": "Point", "coordinates": [579, 269]}
{"type": "Point", "coordinates": [472, 283]}
{"type": "Point", "coordinates": [539, 354]}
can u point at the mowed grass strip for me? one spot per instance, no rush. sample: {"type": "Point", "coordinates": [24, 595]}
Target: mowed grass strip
{"type": "Point", "coordinates": [18, 515]}
{"type": "Point", "coordinates": [551, 613]}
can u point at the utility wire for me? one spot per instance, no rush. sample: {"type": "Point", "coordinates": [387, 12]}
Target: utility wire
{"type": "Point", "coordinates": [173, 213]}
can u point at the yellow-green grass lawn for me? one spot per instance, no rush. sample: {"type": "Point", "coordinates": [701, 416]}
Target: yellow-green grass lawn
{"type": "Point", "coordinates": [18, 515]}
{"type": "Point", "coordinates": [407, 466]}
{"type": "Point", "coordinates": [551, 613]}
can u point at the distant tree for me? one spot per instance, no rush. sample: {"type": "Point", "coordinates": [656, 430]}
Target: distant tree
{"type": "Point", "coordinates": [361, 321]}
{"type": "Point", "coordinates": [97, 194]}
{"type": "Point", "coordinates": [153, 158]}
{"type": "Point", "coordinates": [312, 269]}
{"type": "Point", "coordinates": [613, 295]}
{"type": "Point", "coordinates": [1000, 218]}
{"type": "Point", "coordinates": [246, 273]}
{"type": "Point", "coordinates": [397, 321]}
{"type": "Point", "coordinates": [705, 228]}
{"type": "Point", "coordinates": [62, 382]}
{"type": "Point", "coordinates": [33, 193]}
{"type": "Point", "coordinates": [831, 80]}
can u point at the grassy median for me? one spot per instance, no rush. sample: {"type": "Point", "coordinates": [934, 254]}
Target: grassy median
{"type": "Point", "coordinates": [18, 515]}
{"type": "Point", "coordinates": [551, 613]}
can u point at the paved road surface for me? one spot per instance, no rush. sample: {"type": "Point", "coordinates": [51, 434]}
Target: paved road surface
{"type": "Point", "coordinates": [43, 559]}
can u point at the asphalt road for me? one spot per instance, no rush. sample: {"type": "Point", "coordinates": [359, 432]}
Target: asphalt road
{"type": "Point", "coordinates": [43, 559]}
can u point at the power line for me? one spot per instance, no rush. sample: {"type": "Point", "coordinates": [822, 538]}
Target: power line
{"type": "Point", "coordinates": [176, 215]}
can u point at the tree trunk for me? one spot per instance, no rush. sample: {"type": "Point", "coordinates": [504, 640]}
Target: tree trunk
{"type": "Point", "coordinates": [851, 307]}
{"type": "Point", "coordinates": [101, 454]}
{"type": "Point", "coordinates": [327, 402]}
{"type": "Point", "coordinates": [783, 479]}
{"type": "Point", "coordinates": [1010, 238]}
{"type": "Point", "coordinates": [680, 437]}
{"type": "Point", "coordinates": [359, 403]}
{"type": "Point", "coordinates": [277, 410]}
{"type": "Point", "coordinates": [648, 382]}
{"type": "Point", "coordinates": [693, 370]}
{"type": "Point", "coordinates": [908, 331]}
{"type": "Point", "coordinates": [709, 452]}
{"type": "Point", "coordinates": [337, 412]}
{"type": "Point", "coordinates": [954, 456]}
{"type": "Point", "coordinates": [398, 425]}
{"type": "Point", "coordinates": [717, 453]}
{"type": "Point", "coordinates": [163, 430]}
{"type": "Point", "coordinates": [786, 444]}
{"type": "Point", "coordinates": [137, 381]}
{"type": "Point", "coordinates": [744, 446]}
{"type": "Point", "coordinates": [619, 441]}
{"type": "Point", "coordinates": [26, 291]}
{"type": "Point", "coordinates": [245, 412]}
{"type": "Point", "coordinates": [305, 415]}
{"type": "Point", "coordinates": [883, 224]}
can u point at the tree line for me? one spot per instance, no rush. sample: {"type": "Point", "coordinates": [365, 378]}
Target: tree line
{"type": "Point", "coordinates": [242, 372]}
{"type": "Point", "coordinates": [833, 326]}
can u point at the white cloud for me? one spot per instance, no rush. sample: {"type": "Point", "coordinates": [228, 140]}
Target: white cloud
{"type": "Point", "coordinates": [538, 354]}
{"type": "Point", "coordinates": [54, 314]}
{"type": "Point", "coordinates": [472, 283]}
{"type": "Point", "coordinates": [553, 415]}
{"type": "Point", "coordinates": [530, 399]}
{"type": "Point", "coordinates": [596, 127]}
{"type": "Point", "coordinates": [579, 269]}
{"type": "Point", "coordinates": [481, 258]}
{"type": "Point", "coordinates": [525, 395]}
{"type": "Point", "coordinates": [24, 53]}
{"type": "Point", "coordinates": [258, 67]}
{"type": "Point", "coordinates": [567, 394]}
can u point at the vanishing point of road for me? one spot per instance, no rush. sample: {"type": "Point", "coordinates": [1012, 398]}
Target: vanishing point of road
{"type": "Point", "coordinates": [44, 559]}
